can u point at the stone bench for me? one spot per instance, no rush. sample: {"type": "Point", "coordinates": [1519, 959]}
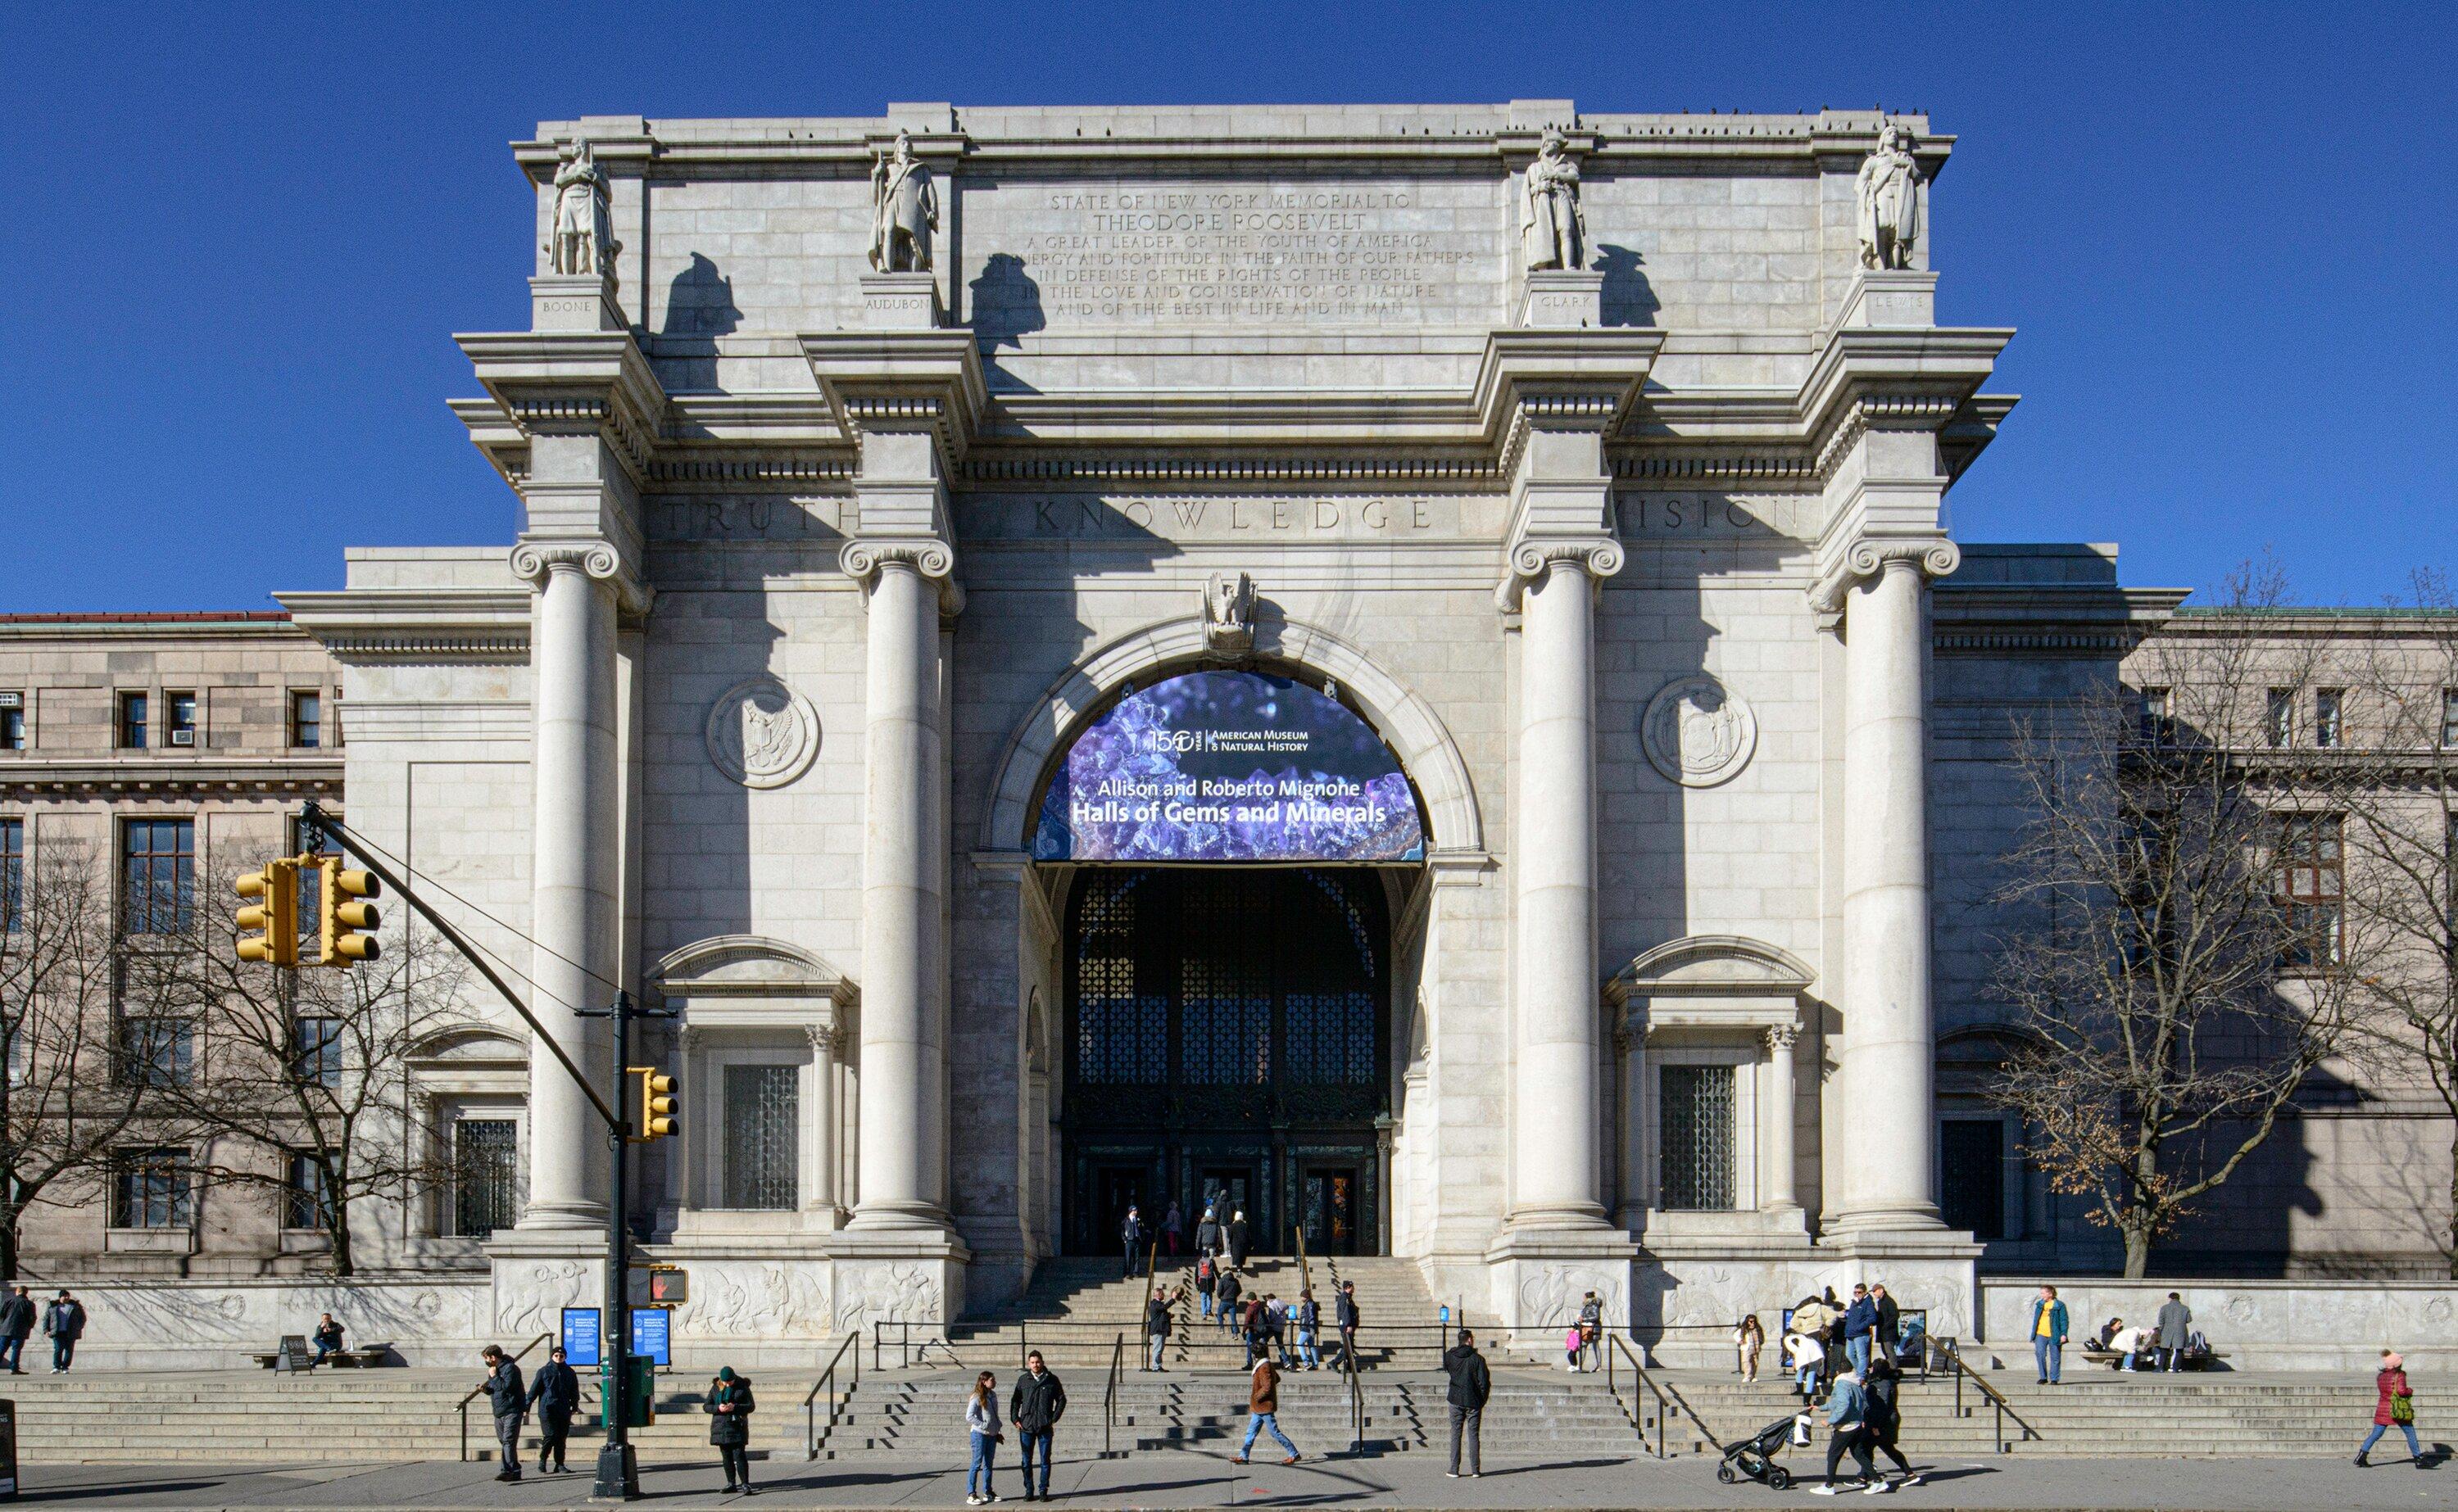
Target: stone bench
{"type": "Point", "coordinates": [2113, 1359]}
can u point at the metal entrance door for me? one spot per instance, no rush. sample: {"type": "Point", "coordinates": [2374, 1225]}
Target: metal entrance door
{"type": "Point", "coordinates": [1226, 1017]}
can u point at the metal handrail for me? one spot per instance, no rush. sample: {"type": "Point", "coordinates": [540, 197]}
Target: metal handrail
{"type": "Point", "coordinates": [1637, 1406]}
{"type": "Point", "coordinates": [811, 1425]}
{"type": "Point", "coordinates": [1110, 1394]}
{"type": "Point", "coordinates": [2003, 1409]}
{"type": "Point", "coordinates": [909, 1349]}
{"type": "Point", "coordinates": [463, 1406]}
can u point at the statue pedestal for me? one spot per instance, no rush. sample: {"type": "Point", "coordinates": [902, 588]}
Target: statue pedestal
{"type": "Point", "coordinates": [1563, 299]}
{"type": "Point", "coordinates": [573, 302]}
{"type": "Point", "coordinates": [1890, 297]}
{"type": "Point", "coordinates": [900, 301]}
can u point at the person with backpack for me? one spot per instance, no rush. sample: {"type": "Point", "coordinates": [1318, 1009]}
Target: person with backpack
{"type": "Point", "coordinates": [2395, 1409]}
{"type": "Point", "coordinates": [1250, 1323]}
{"type": "Point", "coordinates": [1207, 1280]}
{"type": "Point", "coordinates": [1471, 1384]}
{"type": "Point", "coordinates": [1887, 1418]}
{"type": "Point", "coordinates": [1225, 1316]}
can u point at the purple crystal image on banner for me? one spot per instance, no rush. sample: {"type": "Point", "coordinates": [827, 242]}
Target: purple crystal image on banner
{"type": "Point", "coordinates": [1229, 766]}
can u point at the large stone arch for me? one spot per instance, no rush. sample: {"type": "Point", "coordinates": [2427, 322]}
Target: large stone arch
{"type": "Point", "coordinates": [1397, 714]}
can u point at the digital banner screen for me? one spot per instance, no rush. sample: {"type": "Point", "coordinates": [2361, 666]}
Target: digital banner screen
{"type": "Point", "coordinates": [1229, 766]}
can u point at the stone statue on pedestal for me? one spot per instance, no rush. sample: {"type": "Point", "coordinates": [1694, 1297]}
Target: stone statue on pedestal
{"type": "Point", "coordinates": [1552, 228]}
{"type": "Point", "coordinates": [584, 217]}
{"type": "Point", "coordinates": [1229, 613]}
{"type": "Point", "coordinates": [1889, 201]}
{"type": "Point", "coordinates": [903, 210]}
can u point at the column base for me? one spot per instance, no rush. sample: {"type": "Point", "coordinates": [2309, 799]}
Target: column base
{"type": "Point", "coordinates": [1931, 1267]}
{"type": "Point", "coordinates": [1539, 1276]}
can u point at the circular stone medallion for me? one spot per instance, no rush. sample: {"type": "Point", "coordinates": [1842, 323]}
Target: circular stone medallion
{"type": "Point", "coordinates": [1698, 732]}
{"type": "Point", "coordinates": [763, 733]}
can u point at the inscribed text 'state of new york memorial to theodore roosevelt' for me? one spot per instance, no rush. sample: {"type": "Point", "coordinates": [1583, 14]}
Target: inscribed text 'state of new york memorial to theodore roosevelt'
{"type": "Point", "coordinates": [1395, 667]}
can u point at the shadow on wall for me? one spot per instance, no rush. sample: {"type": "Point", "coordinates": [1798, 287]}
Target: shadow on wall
{"type": "Point", "coordinates": [1006, 304]}
{"type": "Point", "coordinates": [700, 308]}
{"type": "Point", "coordinates": [1628, 299]}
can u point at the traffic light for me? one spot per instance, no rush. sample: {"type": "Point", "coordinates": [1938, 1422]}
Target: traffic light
{"type": "Point", "coordinates": [343, 915]}
{"type": "Point", "coordinates": [272, 913]}
{"type": "Point", "coordinates": [656, 1106]}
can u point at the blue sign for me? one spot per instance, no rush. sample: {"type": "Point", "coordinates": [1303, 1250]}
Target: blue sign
{"type": "Point", "coordinates": [1229, 766]}
{"type": "Point", "coordinates": [653, 1334]}
{"type": "Point", "coordinates": [580, 1332]}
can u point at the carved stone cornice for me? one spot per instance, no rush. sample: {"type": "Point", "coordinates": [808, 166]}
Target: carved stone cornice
{"type": "Point", "coordinates": [903, 381]}
{"type": "Point", "coordinates": [1867, 556]}
{"type": "Point", "coordinates": [173, 778]}
{"type": "Point", "coordinates": [935, 560]}
{"type": "Point", "coordinates": [550, 384]}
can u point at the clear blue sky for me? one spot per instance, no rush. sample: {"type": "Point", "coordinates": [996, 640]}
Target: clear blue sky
{"type": "Point", "coordinates": [238, 238]}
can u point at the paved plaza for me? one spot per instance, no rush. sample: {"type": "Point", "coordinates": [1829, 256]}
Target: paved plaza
{"type": "Point", "coordinates": [1207, 1481]}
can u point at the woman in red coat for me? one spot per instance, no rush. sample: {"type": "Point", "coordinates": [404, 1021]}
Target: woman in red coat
{"type": "Point", "coordinates": [2396, 1408]}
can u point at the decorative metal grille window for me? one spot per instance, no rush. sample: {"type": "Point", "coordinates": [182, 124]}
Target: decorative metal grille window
{"type": "Point", "coordinates": [1331, 1038]}
{"type": "Point", "coordinates": [485, 1176]}
{"type": "Point", "coordinates": [1698, 1138]}
{"type": "Point", "coordinates": [763, 1120]}
{"type": "Point", "coordinates": [1225, 1023]}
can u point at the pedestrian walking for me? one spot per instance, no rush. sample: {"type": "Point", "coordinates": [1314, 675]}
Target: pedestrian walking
{"type": "Point", "coordinates": [729, 1407]}
{"type": "Point", "coordinates": [1225, 1316]}
{"type": "Point", "coordinates": [1173, 1231]}
{"type": "Point", "coordinates": [2176, 1326]}
{"type": "Point", "coordinates": [1748, 1339]}
{"type": "Point", "coordinates": [1236, 1238]}
{"type": "Point", "coordinates": [2049, 1335]}
{"type": "Point", "coordinates": [1207, 1280]}
{"type": "Point", "coordinates": [16, 1326]}
{"type": "Point", "coordinates": [1133, 1233]}
{"type": "Point", "coordinates": [554, 1395]}
{"type": "Point", "coordinates": [1309, 1332]}
{"type": "Point", "coordinates": [1860, 1327]}
{"type": "Point", "coordinates": [509, 1403]}
{"type": "Point", "coordinates": [1263, 1411]}
{"type": "Point", "coordinates": [1344, 1314]}
{"type": "Point", "coordinates": [1250, 1323]}
{"type": "Point", "coordinates": [1891, 1323]}
{"type": "Point", "coordinates": [1035, 1406]}
{"type": "Point", "coordinates": [1471, 1383]}
{"type": "Point", "coordinates": [64, 1320]}
{"type": "Point", "coordinates": [1207, 1232]}
{"type": "Point", "coordinates": [981, 1420]}
{"type": "Point", "coordinates": [1156, 1328]}
{"type": "Point", "coordinates": [1276, 1326]}
{"type": "Point", "coordinates": [1886, 1416]}
{"type": "Point", "coordinates": [1592, 1332]}
{"type": "Point", "coordinates": [1847, 1425]}
{"type": "Point", "coordinates": [2395, 1409]}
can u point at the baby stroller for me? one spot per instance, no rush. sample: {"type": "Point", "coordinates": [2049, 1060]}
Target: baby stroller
{"type": "Point", "coordinates": [1754, 1455]}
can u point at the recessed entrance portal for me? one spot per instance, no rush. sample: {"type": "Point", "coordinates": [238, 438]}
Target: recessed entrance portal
{"type": "Point", "coordinates": [1228, 1035]}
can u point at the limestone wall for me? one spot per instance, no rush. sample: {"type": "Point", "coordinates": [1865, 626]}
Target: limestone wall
{"type": "Point", "coordinates": [2259, 1325]}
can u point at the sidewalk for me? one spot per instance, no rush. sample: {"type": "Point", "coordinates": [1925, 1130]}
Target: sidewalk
{"type": "Point", "coordinates": [1190, 1480]}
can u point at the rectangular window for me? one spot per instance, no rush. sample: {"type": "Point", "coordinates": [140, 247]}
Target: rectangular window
{"type": "Point", "coordinates": [1698, 1138]}
{"type": "Point", "coordinates": [2310, 884]}
{"type": "Point", "coordinates": [2158, 709]}
{"type": "Point", "coordinates": [134, 712]}
{"type": "Point", "coordinates": [762, 1117]}
{"type": "Point", "coordinates": [307, 1197]}
{"type": "Point", "coordinates": [2326, 703]}
{"type": "Point", "coordinates": [180, 714]}
{"type": "Point", "coordinates": [307, 719]}
{"type": "Point", "coordinates": [157, 875]}
{"type": "Point", "coordinates": [316, 1051]}
{"type": "Point", "coordinates": [485, 1176]}
{"type": "Point", "coordinates": [156, 1051]}
{"type": "Point", "coordinates": [13, 721]}
{"type": "Point", "coordinates": [1971, 1175]}
{"type": "Point", "coordinates": [2449, 718]}
{"type": "Point", "coordinates": [13, 874]}
{"type": "Point", "coordinates": [152, 1190]}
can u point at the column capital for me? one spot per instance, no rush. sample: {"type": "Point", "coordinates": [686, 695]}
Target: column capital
{"type": "Point", "coordinates": [822, 1038]}
{"type": "Point", "coordinates": [536, 560]}
{"type": "Point", "coordinates": [1867, 556]}
{"type": "Point", "coordinates": [1531, 557]}
{"type": "Point", "coordinates": [933, 559]}
{"type": "Point", "coordinates": [1781, 1036]}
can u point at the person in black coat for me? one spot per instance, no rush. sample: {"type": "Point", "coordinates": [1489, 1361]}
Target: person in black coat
{"type": "Point", "coordinates": [1207, 1232]}
{"type": "Point", "coordinates": [1885, 1416]}
{"type": "Point", "coordinates": [1156, 1322]}
{"type": "Point", "coordinates": [556, 1394]}
{"type": "Point", "coordinates": [64, 1321]}
{"type": "Point", "coordinates": [1471, 1383]}
{"type": "Point", "coordinates": [16, 1326]}
{"type": "Point", "coordinates": [1035, 1406]}
{"type": "Point", "coordinates": [327, 1337]}
{"type": "Point", "coordinates": [729, 1407]}
{"type": "Point", "coordinates": [1891, 1323]}
{"type": "Point", "coordinates": [1238, 1241]}
{"type": "Point", "coordinates": [1134, 1234]}
{"type": "Point", "coordinates": [508, 1402]}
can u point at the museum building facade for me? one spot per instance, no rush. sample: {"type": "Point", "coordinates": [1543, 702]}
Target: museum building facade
{"type": "Point", "coordinates": [1396, 670]}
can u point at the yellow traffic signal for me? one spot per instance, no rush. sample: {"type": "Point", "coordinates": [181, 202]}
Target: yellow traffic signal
{"type": "Point", "coordinates": [343, 915]}
{"type": "Point", "coordinates": [273, 914]}
{"type": "Point", "coordinates": [655, 1105]}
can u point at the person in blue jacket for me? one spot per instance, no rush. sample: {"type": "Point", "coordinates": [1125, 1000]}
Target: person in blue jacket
{"type": "Point", "coordinates": [1860, 1325]}
{"type": "Point", "coordinates": [2049, 1334]}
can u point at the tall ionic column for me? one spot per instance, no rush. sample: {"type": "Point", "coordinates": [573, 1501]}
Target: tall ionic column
{"type": "Point", "coordinates": [1633, 1042]}
{"type": "Point", "coordinates": [574, 915]}
{"type": "Point", "coordinates": [904, 1117]}
{"type": "Point", "coordinates": [1784, 1098]}
{"type": "Point", "coordinates": [1557, 1169]}
{"type": "Point", "coordinates": [1891, 1125]}
{"type": "Point", "coordinates": [821, 1193]}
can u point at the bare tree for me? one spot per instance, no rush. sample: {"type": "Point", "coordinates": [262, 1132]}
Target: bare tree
{"type": "Point", "coordinates": [304, 1088]}
{"type": "Point", "coordinates": [2175, 964]}
{"type": "Point", "coordinates": [2400, 796]}
{"type": "Point", "coordinates": [64, 1106]}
